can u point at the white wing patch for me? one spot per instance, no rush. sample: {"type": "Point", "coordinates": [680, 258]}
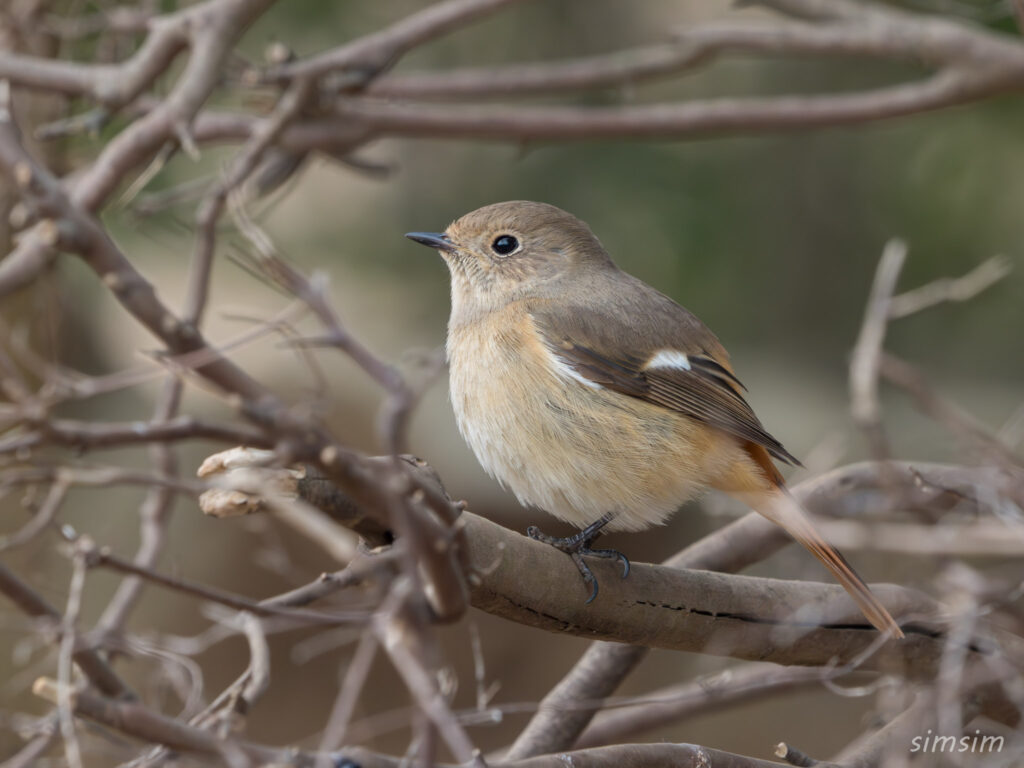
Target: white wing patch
{"type": "Point", "coordinates": [566, 371]}
{"type": "Point", "coordinates": [668, 358]}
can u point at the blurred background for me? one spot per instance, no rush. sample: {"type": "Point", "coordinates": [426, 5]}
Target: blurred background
{"type": "Point", "coordinates": [772, 241]}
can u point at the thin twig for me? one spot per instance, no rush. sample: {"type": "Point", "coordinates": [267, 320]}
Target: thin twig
{"type": "Point", "coordinates": [102, 557]}
{"type": "Point", "coordinates": [698, 697]}
{"type": "Point", "coordinates": [951, 289]}
{"type": "Point", "coordinates": [92, 664]}
{"type": "Point", "coordinates": [72, 749]}
{"type": "Point", "coordinates": [864, 360]}
{"type": "Point", "coordinates": [910, 379]}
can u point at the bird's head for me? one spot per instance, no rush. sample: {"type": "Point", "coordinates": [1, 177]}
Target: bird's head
{"type": "Point", "coordinates": [513, 250]}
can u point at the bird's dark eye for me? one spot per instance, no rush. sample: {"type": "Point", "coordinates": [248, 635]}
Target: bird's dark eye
{"type": "Point", "coordinates": [503, 245]}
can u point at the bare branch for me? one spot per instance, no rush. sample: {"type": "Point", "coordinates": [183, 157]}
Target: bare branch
{"type": "Point", "coordinates": [737, 616]}
{"type": "Point", "coordinates": [963, 288]}
{"type": "Point", "coordinates": [696, 119]}
{"type": "Point", "coordinates": [689, 48]}
{"type": "Point", "coordinates": [910, 379]}
{"type": "Point", "coordinates": [986, 539]}
{"type": "Point", "coordinates": [141, 722]}
{"type": "Point", "coordinates": [65, 660]}
{"type": "Point", "coordinates": [213, 27]}
{"type": "Point", "coordinates": [89, 435]}
{"type": "Point", "coordinates": [102, 557]}
{"type": "Point", "coordinates": [371, 54]}
{"type": "Point", "coordinates": [137, 720]}
{"type": "Point", "coordinates": [864, 360]}
{"type": "Point", "coordinates": [699, 697]}
{"type": "Point", "coordinates": [88, 660]}
{"type": "Point", "coordinates": [673, 599]}
{"type": "Point", "coordinates": [40, 520]}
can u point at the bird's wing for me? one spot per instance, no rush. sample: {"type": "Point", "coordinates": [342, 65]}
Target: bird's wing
{"type": "Point", "coordinates": [668, 358]}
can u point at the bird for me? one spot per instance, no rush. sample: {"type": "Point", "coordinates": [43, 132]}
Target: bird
{"type": "Point", "coordinates": [595, 397]}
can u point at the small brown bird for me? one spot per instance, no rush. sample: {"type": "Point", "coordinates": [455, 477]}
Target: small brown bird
{"type": "Point", "coordinates": [595, 397]}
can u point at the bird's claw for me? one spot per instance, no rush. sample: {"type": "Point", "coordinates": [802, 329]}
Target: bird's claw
{"type": "Point", "coordinates": [587, 574]}
{"type": "Point", "coordinates": [610, 554]}
{"type": "Point", "coordinates": [577, 546]}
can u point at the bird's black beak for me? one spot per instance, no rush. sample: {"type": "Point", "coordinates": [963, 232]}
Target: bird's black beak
{"type": "Point", "coordinates": [437, 240]}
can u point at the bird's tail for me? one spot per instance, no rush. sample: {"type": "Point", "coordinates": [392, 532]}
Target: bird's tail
{"type": "Point", "coordinates": [783, 510]}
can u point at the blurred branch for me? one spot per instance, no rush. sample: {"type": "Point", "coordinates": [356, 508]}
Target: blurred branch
{"type": "Point", "coordinates": [88, 660]}
{"type": "Point", "coordinates": [117, 20]}
{"type": "Point", "coordinates": [211, 29]}
{"type": "Point", "coordinates": [688, 49]}
{"type": "Point", "coordinates": [643, 756]}
{"type": "Point", "coordinates": [693, 119]}
{"type": "Point", "coordinates": [911, 380]}
{"type": "Point", "coordinates": [864, 360]}
{"type": "Point", "coordinates": [241, 695]}
{"type": "Point", "coordinates": [137, 720]}
{"type": "Point", "coordinates": [89, 435]}
{"type": "Point", "coordinates": [157, 506]}
{"type": "Point", "coordinates": [43, 516]}
{"type": "Point", "coordinates": [969, 63]}
{"type": "Point", "coordinates": [933, 42]}
{"type": "Point", "coordinates": [869, 359]}
{"type": "Point", "coordinates": [35, 749]}
{"type": "Point", "coordinates": [892, 738]}
{"type": "Point", "coordinates": [102, 558]}
{"type": "Point", "coordinates": [794, 756]}
{"type": "Point", "coordinates": [672, 704]}
{"type": "Point", "coordinates": [66, 658]}
{"type": "Point", "coordinates": [864, 489]}
{"type": "Point", "coordinates": [370, 55]}
{"type": "Point", "coordinates": [987, 539]}
{"type": "Point", "coordinates": [951, 289]}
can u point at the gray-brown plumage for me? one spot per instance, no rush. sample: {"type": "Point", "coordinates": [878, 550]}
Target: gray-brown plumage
{"type": "Point", "coordinates": [595, 397]}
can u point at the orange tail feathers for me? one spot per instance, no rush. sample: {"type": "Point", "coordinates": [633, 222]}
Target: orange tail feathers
{"type": "Point", "coordinates": [771, 499]}
{"type": "Point", "coordinates": [782, 509]}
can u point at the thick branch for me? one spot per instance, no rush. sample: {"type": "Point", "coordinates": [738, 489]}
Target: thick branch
{"type": "Point", "coordinates": [758, 619]}
{"type": "Point", "coordinates": [739, 616]}
{"type": "Point", "coordinates": [853, 491]}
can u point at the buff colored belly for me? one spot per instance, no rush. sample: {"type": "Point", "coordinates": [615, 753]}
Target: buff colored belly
{"type": "Point", "coordinates": [573, 451]}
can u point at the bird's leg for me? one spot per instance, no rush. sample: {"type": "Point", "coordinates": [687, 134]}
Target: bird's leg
{"type": "Point", "coordinates": [578, 545]}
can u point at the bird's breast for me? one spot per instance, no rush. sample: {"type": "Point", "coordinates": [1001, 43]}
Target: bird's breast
{"type": "Point", "coordinates": [497, 377]}
{"type": "Point", "coordinates": [571, 448]}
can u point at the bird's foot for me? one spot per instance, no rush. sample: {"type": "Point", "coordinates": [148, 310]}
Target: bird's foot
{"type": "Point", "coordinates": [578, 545]}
